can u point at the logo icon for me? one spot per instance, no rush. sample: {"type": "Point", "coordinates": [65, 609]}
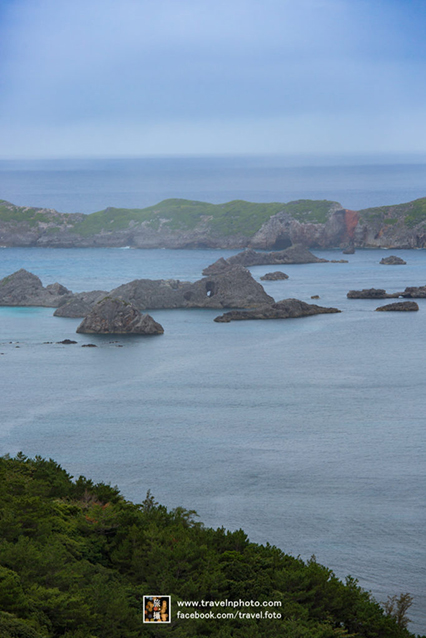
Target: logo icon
{"type": "Point", "coordinates": [156, 608]}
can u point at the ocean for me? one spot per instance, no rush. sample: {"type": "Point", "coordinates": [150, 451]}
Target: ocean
{"type": "Point", "coordinates": [306, 433]}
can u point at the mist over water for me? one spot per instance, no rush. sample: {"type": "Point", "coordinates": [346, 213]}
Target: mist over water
{"type": "Point", "coordinates": [306, 433]}
{"type": "Point", "coordinates": [87, 186]}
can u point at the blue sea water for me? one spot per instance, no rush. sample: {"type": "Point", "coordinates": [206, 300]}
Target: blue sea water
{"type": "Point", "coordinates": [87, 186]}
{"type": "Point", "coordinates": [306, 433]}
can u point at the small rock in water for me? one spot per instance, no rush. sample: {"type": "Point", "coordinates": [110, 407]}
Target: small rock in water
{"type": "Point", "coordinates": [67, 341]}
{"type": "Point", "coordinates": [402, 306]}
{"type": "Point", "coordinates": [274, 276]}
{"type": "Point", "coordinates": [285, 309]}
{"type": "Point", "coordinates": [89, 345]}
{"type": "Point", "coordinates": [392, 260]}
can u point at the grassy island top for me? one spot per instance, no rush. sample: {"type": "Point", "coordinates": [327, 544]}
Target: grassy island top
{"type": "Point", "coordinates": [236, 217]}
{"type": "Point", "coordinates": [76, 559]}
{"type": "Point", "coordinates": [232, 218]}
{"type": "Point", "coordinates": [409, 214]}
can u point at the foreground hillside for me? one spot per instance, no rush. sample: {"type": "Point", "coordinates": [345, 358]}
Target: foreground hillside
{"type": "Point", "coordinates": [179, 223]}
{"type": "Point", "coordinates": [76, 560]}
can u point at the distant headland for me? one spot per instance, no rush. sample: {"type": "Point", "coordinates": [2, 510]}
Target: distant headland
{"type": "Point", "coordinates": [186, 224]}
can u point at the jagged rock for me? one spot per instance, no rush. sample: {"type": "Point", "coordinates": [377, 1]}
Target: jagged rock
{"type": "Point", "coordinates": [285, 309]}
{"type": "Point", "coordinates": [233, 288]}
{"type": "Point", "coordinates": [23, 288]}
{"type": "Point", "coordinates": [293, 255]}
{"type": "Point", "coordinates": [392, 260]}
{"type": "Point", "coordinates": [414, 292]}
{"type": "Point", "coordinates": [153, 293]}
{"type": "Point", "coordinates": [67, 342]}
{"type": "Point", "coordinates": [350, 250]}
{"type": "Point", "coordinates": [58, 289]}
{"type": "Point", "coordinates": [80, 304]}
{"type": "Point", "coordinates": [283, 230]}
{"type": "Point", "coordinates": [404, 306]}
{"type": "Point", "coordinates": [296, 254]}
{"type": "Point", "coordinates": [218, 266]}
{"type": "Point", "coordinates": [371, 293]}
{"type": "Point", "coordinates": [274, 276]}
{"type": "Point", "coordinates": [115, 316]}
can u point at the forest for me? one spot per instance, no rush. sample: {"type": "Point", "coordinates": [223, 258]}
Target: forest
{"type": "Point", "coordinates": [76, 560]}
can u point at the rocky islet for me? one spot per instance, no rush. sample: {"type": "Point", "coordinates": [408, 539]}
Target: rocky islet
{"type": "Point", "coordinates": [227, 284]}
{"type": "Point", "coordinates": [285, 309]}
{"type": "Point", "coordinates": [278, 275]}
{"type": "Point", "coordinates": [115, 316]}
{"type": "Point", "coordinates": [399, 306]}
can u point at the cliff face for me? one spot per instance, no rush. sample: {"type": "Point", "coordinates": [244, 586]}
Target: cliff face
{"type": "Point", "coordinates": [235, 225]}
{"type": "Point", "coordinates": [282, 231]}
{"type": "Point", "coordinates": [400, 226]}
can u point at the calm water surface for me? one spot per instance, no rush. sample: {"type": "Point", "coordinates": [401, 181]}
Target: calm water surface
{"type": "Point", "coordinates": [307, 433]}
{"type": "Point", "coordinates": [86, 186]}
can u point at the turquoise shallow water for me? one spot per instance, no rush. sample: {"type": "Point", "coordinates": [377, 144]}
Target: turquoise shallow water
{"type": "Point", "coordinates": [307, 433]}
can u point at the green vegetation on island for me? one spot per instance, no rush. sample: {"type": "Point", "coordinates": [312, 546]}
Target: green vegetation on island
{"type": "Point", "coordinates": [182, 223]}
{"type": "Point", "coordinates": [409, 214]}
{"type": "Point", "coordinates": [31, 216]}
{"type": "Point", "coordinates": [236, 217]}
{"type": "Point", "coordinates": [76, 559]}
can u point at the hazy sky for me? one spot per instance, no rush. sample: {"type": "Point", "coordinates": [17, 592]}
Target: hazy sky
{"type": "Point", "coordinates": [143, 77]}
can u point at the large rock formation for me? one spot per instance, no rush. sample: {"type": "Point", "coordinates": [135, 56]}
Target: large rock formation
{"type": "Point", "coordinates": [153, 293]}
{"type": "Point", "coordinates": [398, 226]}
{"type": "Point", "coordinates": [115, 316]}
{"type": "Point", "coordinates": [80, 304]}
{"type": "Point", "coordinates": [293, 255]}
{"type": "Point", "coordinates": [285, 309]}
{"type": "Point", "coordinates": [288, 228]}
{"type": "Point", "coordinates": [401, 306]}
{"type": "Point", "coordinates": [414, 292]}
{"type": "Point", "coordinates": [22, 288]}
{"type": "Point", "coordinates": [233, 288]}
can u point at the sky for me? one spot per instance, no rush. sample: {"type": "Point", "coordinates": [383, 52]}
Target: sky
{"type": "Point", "coordinates": [109, 78]}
